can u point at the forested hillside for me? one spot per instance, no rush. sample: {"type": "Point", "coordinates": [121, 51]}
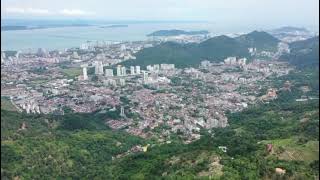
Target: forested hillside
{"type": "Point", "coordinates": [215, 49]}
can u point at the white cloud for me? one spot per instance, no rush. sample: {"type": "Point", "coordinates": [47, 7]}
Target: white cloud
{"type": "Point", "coordinates": [15, 10]}
{"type": "Point", "coordinates": [75, 12]}
{"type": "Point", "coordinates": [37, 11]}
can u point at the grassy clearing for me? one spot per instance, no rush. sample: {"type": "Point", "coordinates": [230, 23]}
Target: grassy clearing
{"type": "Point", "coordinates": [7, 105]}
{"type": "Point", "coordinates": [72, 72]}
{"type": "Point", "coordinates": [291, 149]}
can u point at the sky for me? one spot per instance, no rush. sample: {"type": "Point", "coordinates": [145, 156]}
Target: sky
{"type": "Point", "coordinates": [273, 12]}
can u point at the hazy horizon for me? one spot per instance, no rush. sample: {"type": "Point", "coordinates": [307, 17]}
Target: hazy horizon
{"type": "Point", "coordinates": [262, 13]}
{"type": "Point", "coordinates": [144, 17]}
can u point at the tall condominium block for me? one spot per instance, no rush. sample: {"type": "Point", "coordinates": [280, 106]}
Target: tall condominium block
{"type": "Point", "coordinates": [137, 69]}
{"type": "Point", "coordinates": [98, 68]}
{"type": "Point", "coordinates": [123, 71]}
{"type": "Point", "coordinates": [145, 76]}
{"type": "Point", "coordinates": [122, 82]}
{"type": "Point", "coordinates": [84, 71]}
{"type": "Point", "coordinates": [132, 70]}
{"type": "Point", "coordinates": [150, 68]}
{"type": "Point", "coordinates": [119, 70]}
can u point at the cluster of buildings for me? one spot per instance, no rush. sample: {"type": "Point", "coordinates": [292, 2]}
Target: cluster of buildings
{"type": "Point", "coordinates": [160, 99]}
{"type": "Point", "coordinates": [158, 67]}
{"type": "Point", "coordinates": [149, 76]}
{"type": "Point", "coordinates": [235, 61]}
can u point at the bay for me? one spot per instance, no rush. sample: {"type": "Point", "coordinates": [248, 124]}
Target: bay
{"type": "Point", "coordinates": [67, 37]}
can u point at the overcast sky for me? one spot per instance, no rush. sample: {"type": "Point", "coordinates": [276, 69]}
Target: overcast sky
{"type": "Point", "coordinates": [274, 12]}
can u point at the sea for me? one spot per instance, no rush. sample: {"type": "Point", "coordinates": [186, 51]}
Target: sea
{"type": "Point", "coordinates": [60, 38]}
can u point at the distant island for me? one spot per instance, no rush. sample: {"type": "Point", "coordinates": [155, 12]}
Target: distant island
{"type": "Point", "coordinates": [287, 29]}
{"type": "Point", "coordinates": [114, 26]}
{"type": "Point", "coordinates": [175, 32]}
{"type": "Point", "coordinates": [16, 28]}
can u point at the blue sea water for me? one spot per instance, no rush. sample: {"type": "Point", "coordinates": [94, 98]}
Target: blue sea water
{"type": "Point", "coordinates": [67, 37]}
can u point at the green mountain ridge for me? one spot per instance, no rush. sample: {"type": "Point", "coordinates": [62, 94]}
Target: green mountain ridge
{"type": "Point", "coordinates": [215, 49]}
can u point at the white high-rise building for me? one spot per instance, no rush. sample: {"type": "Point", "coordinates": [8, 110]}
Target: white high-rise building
{"type": "Point", "coordinates": [28, 108]}
{"type": "Point", "coordinates": [84, 71]}
{"type": "Point", "coordinates": [75, 55]}
{"type": "Point", "coordinates": [98, 68]}
{"type": "Point", "coordinates": [17, 54]}
{"type": "Point", "coordinates": [84, 46]}
{"type": "Point", "coordinates": [242, 61]}
{"type": "Point", "coordinates": [230, 60]}
{"type": "Point", "coordinates": [3, 55]}
{"type": "Point", "coordinates": [109, 72]}
{"type": "Point", "coordinates": [42, 52]}
{"type": "Point", "coordinates": [110, 82]}
{"type": "Point", "coordinates": [145, 76]}
{"type": "Point", "coordinates": [123, 47]}
{"type": "Point", "coordinates": [101, 70]}
{"type": "Point", "coordinates": [119, 70]}
{"type": "Point", "coordinates": [137, 69]}
{"type": "Point", "coordinates": [122, 111]}
{"type": "Point", "coordinates": [233, 60]}
{"type": "Point", "coordinates": [122, 82]}
{"type": "Point", "coordinates": [227, 61]}
{"type": "Point", "coordinates": [149, 68]}
{"type": "Point", "coordinates": [123, 71]}
{"type": "Point", "coordinates": [205, 63]}
{"type": "Point", "coordinates": [166, 66]}
{"type": "Point", "coordinates": [132, 70]}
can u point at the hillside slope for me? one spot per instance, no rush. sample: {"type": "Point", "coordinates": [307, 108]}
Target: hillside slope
{"type": "Point", "coordinates": [260, 40]}
{"type": "Point", "coordinates": [303, 53]}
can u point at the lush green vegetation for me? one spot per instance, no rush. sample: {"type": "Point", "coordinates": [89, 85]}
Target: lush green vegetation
{"type": "Point", "coordinates": [72, 72]}
{"type": "Point", "coordinates": [7, 105]}
{"type": "Point", "coordinates": [77, 146]}
{"type": "Point", "coordinates": [186, 55]}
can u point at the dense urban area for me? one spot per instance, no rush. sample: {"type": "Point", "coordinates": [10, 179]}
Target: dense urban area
{"type": "Point", "coordinates": [187, 105]}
